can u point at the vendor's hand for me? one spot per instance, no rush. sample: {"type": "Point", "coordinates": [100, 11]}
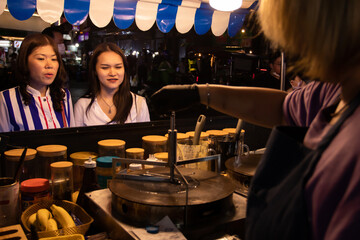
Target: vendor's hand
{"type": "Point", "coordinates": [175, 98]}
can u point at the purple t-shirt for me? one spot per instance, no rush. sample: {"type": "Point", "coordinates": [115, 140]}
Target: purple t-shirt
{"type": "Point", "coordinates": [333, 191]}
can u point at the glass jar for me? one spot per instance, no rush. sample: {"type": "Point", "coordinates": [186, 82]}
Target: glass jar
{"type": "Point", "coordinates": [27, 170]}
{"type": "Point", "coordinates": [48, 154]}
{"type": "Point", "coordinates": [231, 132]}
{"type": "Point", "coordinates": [111, 147]}
{"type": "Point", "coordinates": [78, 159]}
{"type": "Point", "coordinates": [34, 190]}
{"type": "Point", "coordinates": [62, 183]}
{"type": "Point", "coordinates": [104, 170]}
{"type": "Point", "coordinates": [153, 144]}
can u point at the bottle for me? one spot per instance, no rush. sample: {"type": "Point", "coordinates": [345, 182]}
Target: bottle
{"type": "Point", "coordinates": [89, 182]}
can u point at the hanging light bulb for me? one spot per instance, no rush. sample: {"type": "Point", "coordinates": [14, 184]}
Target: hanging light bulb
{"type": "Point", "coordinates": [225, 5]}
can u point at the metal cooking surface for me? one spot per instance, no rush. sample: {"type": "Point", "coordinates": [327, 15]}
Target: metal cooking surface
{"type": "Point", "coordinates": [204, 187]}
{"type": "Point", "coordinates": [247, 167]}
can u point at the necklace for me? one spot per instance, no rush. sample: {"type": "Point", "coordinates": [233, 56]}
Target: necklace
{"type": "Point", "coordinates": [107, 104]}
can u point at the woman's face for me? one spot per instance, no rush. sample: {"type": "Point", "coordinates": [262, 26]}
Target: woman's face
{"type": "Point", "coordinates": [43, 66]}
{"type": "Point", "coordinates": [110, 71]}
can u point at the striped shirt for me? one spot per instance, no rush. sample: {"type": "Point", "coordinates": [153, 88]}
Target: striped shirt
{"type": "Point", "coordinates": [39, 114]}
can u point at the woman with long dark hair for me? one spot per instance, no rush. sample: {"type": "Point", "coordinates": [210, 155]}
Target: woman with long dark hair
{"type": "Point", "coordinates": [109, 100]}
{"type": "Point", "coordinates": [39, 101]}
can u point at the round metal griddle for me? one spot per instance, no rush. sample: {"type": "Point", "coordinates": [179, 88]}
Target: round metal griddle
{"type": "Point", "coordinates": [146, 202]}
{"type": "Point", "coordinates": [242, 174]}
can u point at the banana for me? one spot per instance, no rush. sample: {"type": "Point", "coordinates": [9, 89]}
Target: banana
{"type": "Point", "coordinates": [32, 220]}
{"type": "Point", "coordinates": [51, 225]}
{"type": "Point", "coordinates": [42, 217]}
{"type": "Point", "coordinates": [62, 216]}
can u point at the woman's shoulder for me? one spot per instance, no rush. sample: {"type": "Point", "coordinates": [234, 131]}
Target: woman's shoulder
{"type": "Point", "coordinates": [13, 89]}
{"type": "Point", "coordinates": [83, 101]}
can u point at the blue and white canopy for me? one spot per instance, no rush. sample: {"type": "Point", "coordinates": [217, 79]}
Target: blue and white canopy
{"type": "Point", "coordinates": [183, 14]}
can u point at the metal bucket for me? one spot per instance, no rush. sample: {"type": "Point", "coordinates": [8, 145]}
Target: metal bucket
{"type": "Point", "coordinates": [9, 202]}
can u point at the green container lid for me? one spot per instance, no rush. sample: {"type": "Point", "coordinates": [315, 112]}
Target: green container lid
{"type": "Point", "coordinates": [105, 161]}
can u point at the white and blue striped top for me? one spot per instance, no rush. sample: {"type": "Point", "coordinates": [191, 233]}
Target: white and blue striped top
{"type": "Point", "coordinates": [39, 114]}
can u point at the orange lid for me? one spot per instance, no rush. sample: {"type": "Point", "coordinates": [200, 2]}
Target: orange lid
{"type": "Point", "coordinates": [111, 143]}
{"type": "Point", "coordinates": [217, 133]}
{"type": "Point", "coordinates": [61, 164]}
{"type": "Point", "coordinates": [134, 150]}
{"type": "Point", "coordinates": [34, 185]}
{"type": "Point", "coordinates": [51, 150]}
{"type": "Point", "coordinates": [15, 154]}
{"type": "Point", "coordinates": [154, 139]}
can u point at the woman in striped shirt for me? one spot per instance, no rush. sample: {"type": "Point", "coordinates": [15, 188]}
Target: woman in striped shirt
{"type": "Point", "coordinates": [39, 101]}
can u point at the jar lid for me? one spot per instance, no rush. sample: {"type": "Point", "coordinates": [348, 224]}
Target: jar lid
{"type": "Point", "coordinates": [179, 136]}
{"type": "Point", "coordinates": [154, 139]}
{"type": "Point", "coordinates": [111, 143]}
{"type": "Point", "coordinates": [202, 134]}
{"type": "Point", "coordinates": [162, 156]}
{"type": "Point", "coordinates": [79, 158]}
{"type": "Point", "coordinates": [51, 150]}
{"type": "Point", "coordinates": [34, 185]}
{"type": "Point", "coordinates": [105, 161]}
{"type": "Point", "coordinates": [217, 133]}
{"type": "Point", "coordinates": [61, 164]}
{"type": "Point", "coordinates": [15, 154]}
{"type": "Point", "coordinates": [135, 150]}
{"type": "Point", "coordinates": [230, 130]}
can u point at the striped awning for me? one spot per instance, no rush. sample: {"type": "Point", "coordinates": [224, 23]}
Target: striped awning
{"type": "Point", "coordinates": [183, 14]}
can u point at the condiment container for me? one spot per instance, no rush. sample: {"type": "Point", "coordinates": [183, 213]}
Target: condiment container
{"type": "Point", "coordinates": [34, 190]}
{"type": "Point", "coordinates": [48, 154]}
{"type": "Point", "coordinates": [153, 144]}
{"type": "Point", "coordinates": [78, 159]}
{"type": "Point", "coordinates": [89, 180]}
{"type": "Point", "coordinates": [231, 132]}
{"type": "Point", "coordinates": [62, 180]}
{"type": "Point", "coordinates": [104, 170]}
{"type": "Point", "coordinates": [111, 147]}
{"type": "Point", "coordinates": [29, 168]}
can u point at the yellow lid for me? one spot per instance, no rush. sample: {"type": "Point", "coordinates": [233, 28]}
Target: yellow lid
{"type": "Point", "coordinates": [61, 164]}
{"type": "Point", "coordinates": [216, 133]}
{"type": "Point", "coordinates": [51, 150]}
{"type": "Point", "coordinates": [154, 139]}
{"type": "Point", "coordinates": [111, 143]}
{"type": "Point", "coordinates": [202, 134]}
{"type": "Point", "coordinates": [135, 150]}
{"type": "Point", "coordinates": [179, 136]}
{"type": "Point", "coordinates": [162, 156]}
{"type": "Point", "coordinates": [79, 158]}
{"type": "Point", "coordinates": [230, 130]}
{"type": "Point", "coordinates": [15, 154]}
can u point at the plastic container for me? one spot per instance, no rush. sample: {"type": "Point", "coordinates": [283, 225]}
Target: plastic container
{"type": "Point", "coordinates": [48, 154]}
{"type": "Point", "coordinates": [62, 183]}
{"type": "Point", "coordinates": [153, 144]}
{"type": "Point", "coordinates": [104, 170]}
{"type": "Point", "coordinates": [111, 147]}
{"type": "Point", "coordinates": [78, 159]}
{"type": "Point", "coordinates": [27, 170]}
{"type": "Point", "coordinates": [34, 190]}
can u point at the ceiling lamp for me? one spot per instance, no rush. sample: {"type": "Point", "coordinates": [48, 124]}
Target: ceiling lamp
{"type": "Point", "coordinates": [225, 5]}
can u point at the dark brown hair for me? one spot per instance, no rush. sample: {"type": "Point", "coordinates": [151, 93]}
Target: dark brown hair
{"type": "Point", "coordinates": [122, 98]}
{"type": "Point", "coordinates": [22, 73]}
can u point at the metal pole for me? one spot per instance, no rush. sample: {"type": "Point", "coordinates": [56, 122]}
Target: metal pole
{"type": "Point", "coordinates": [282, 72]}
{"type": "Point", "coordinates": [172, 146]}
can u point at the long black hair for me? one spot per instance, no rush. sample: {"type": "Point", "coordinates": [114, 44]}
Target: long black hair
{"type": "Point", "coordinates": [122, 98]}
{"type": "Point", "coordinates": [22, 73]}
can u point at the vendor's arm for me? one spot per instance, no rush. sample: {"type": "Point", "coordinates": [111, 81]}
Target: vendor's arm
{"type": "Point", "coordinates": [260, 106]}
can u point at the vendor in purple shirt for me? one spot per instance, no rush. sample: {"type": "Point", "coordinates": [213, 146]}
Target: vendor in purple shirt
{"type": "Point", "coordinates": [325, 36]}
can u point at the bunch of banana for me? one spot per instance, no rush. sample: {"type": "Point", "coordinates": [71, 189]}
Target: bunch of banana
{"type": "Point", "coordinates": [42, 220]}
{"type": "Point", "coordinates": [62, 216]}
